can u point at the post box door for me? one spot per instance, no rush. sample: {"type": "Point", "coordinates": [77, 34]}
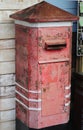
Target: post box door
{"type": "Point", "coordinates": [53, 77]}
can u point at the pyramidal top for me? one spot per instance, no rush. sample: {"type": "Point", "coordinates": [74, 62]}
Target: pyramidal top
{"type": "Point", "coordinates": [43, 12]}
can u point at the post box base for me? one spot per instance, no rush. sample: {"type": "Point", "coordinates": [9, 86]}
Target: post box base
{"type": "Point", "coordinates": [22, 126]}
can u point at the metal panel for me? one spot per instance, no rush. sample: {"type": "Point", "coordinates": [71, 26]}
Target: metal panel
{"type": "Point", "coordinates": [32, 85]}
{"type": "Point", "coordinates": [21, 112]}
{"type": "Point", "coordinates": [54, 80]}
{"type": "Point", "coordinates": [43, 73]}
{"type": "Point", "coordinates": [42, 15]}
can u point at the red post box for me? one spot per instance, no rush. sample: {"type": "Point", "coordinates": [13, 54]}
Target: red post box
{"type": "Point", "coordinates": [43, 65]}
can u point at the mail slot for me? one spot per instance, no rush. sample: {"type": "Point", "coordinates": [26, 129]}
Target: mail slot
{"type": "Point", "coordinates": [55, 44]}
{"type": "Point", "coordinates": [43, 65]}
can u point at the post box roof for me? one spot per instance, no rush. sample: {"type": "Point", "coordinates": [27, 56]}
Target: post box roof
{"type": "Point", "coordinates": [43, 12]}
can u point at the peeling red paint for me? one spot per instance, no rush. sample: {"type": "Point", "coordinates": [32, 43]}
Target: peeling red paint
{"type": "Point", "coordinates": [21, 113]}
{"type": "Point", "coordinates": [45, 71]}
{"type": "Point", "coordinates": [43, 66]}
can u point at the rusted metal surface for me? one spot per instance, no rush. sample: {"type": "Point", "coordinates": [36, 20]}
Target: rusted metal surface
{"type": "Point", "coordinates": [43, 66]}
{"type": "Point", "coordinates": [24, 49]}
{"type": "Point", "coordinates": [21, 113]}
{"type": "Point", "coordinates": [43, 76]}
{"type": "Point", "coordinates": [54, 78]}
{"type": "Point", "coordinates": [43, 12]}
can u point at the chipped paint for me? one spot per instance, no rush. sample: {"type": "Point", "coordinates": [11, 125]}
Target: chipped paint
{"type": "Point", "coordinates": [45, 71]}
{"type": "Point", "coordinates": [43, 67]}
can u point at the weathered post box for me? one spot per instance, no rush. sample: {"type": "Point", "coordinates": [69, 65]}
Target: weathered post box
{"type": "Point", "coordinates": [43, 65]}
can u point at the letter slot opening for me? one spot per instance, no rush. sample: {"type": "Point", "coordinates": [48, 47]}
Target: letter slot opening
{"type": "Point", "coordinates": [55, 44]}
